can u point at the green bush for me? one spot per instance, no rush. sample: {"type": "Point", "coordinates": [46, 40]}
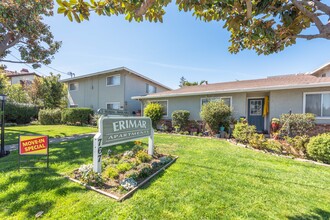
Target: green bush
{"type": "Point", "coordinates": [111, 172]}
{"type": "Point", "coordinates": [132, 174]}
{"type": "Point", "coordinates": [257, 141]}
{"type": "Point", "coordinates": [143, 156]}
{"type": "Point", "coordinates": [318, 147]}
{"type": "Point", "coordinates": [77, 115]}
{"type": "Point", "coordinates": [20, 113]}
{"type": "Point", "coordinates": [123, 167]}
{"type": "Point", "coordinates": [88, 176]}
{"type": "Point", "coordinates": [136, 148]}
{"type": "Point", "coordinates": [155, 112]}
{"type": "Point", "coordinates": [273, 145]}
{"type": "Point", "coordinates": [144, 170]}
{"type": "Point", "coordinates": [243, 132]}
{"type": "Point", "coordinates": [296, 124]}
{"type": "Point", "coordinates": [180, 118]}
{"type": "Point", "coordinates": [298, 143]}
{"type": "Point", "coordinates": [49, 116]}
{"type": "Point", "coordinates": [216, 114]}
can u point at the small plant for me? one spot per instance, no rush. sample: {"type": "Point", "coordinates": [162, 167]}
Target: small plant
{"type": "Point", "coordinates": [134, 174]}
{"type": "Point", "coordinates": [180, 118]}
{"type": "Point", "coordinates": [111, 172]}
{"type": "Point", "coordinates": [88, 176]}
{"type": "Point", "coordinates": [318, 148]}
{"type": "Point", "coordinates": [275, 124]}
{"type": "Point", "coordinates": [165, 160]}
{"type": "Point", "coordinates": [139, 143]}
{"type": "Point", "coordinates": [177, 128]}
{"type": "Point", "coordinates": [243, 132]}
{"type": "Point", "coordinates": [186, 132]}
{"type": "Point", "coordinates": [144, 170]}
{"type": "Point", "coordinates": [181, 132]}
{"type": "Point", "coordinates": [137, 148]}
{"type": "Point", "coordinates": [298, 143]}
{"type": "Point", "coordinates": [143, 156]}
{"type": "Point", "coordinates": [200, 134]}
{"type": "Point", "coordinates": [123, 167]}
{"type": "Point", "coordinates": [257, 141]}
{"type": "Point", "coordinates": [195, 133]}
{"type": "Point", "coordinates": [155, 112]}
{"type": "Point", "coordinates": [273, 145]}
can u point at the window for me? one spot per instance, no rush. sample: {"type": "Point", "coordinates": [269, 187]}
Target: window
{"type": "Point", "coordinates": [150, 89]}
{"type": "Point", "coordinates": [226, 100]}
{"type": "Point", "coordinates": [255, 107]}
{"type": "Point", "coordinates": [73, 86]}
{"type": "Point", "coordinates": [113, 80]}
{"type": "Point", "coordinates": [318, 104]}
{"type": "Point", "coordinates": [164, 104]}
{"type": "Point", "coordinates": [113, 106]}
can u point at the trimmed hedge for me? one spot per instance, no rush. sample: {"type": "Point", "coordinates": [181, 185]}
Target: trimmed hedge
{"type": "Point", "coordinates": [180, 118]}
{"type": "Point", "coordinates": [77, 115]}
{"type": "Point", "coordinates": [20, 113]}
{"type": "Point", "coordinates": [155, 112]}
{"type": "Point", "coordinates": [318, 148]}
{"type": "Point", "coordinates": [296, 124]}
{"type": "Point", "coordinates": [50, 116]}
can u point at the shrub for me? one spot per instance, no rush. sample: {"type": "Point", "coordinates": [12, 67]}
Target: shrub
{"type": "Point", "coordinates": [298, 143]}
{"type": "Point", "coordinates": [257, 141]}
{"type": "Point", "coordinates": [273, 145]}
{"type": "Point", "coordinates": [74, 115]}
{"type": "Point", "coordinates": [111, 172]}
{"type": "Point", "coordinates": [88, 176]}
{"type": "Point", "coordinates": [132, 174]}
{"type": "Point", "coordinates": [318, 147]}
{"type": "Point", "coordinates": [144, 170]}
{"type": "Point", "coordinates": [243, 132]}
{"type": "Point", "coordinates": [137, 148]}
{"type": "Point", "coordinates": [180, 118]}
{"type": "Point", "coordinates": [143, 156]}
{"type": "Point", "coordinates": [155, 112]}
{"type": "Point", "coordinates": [195, 133]}
{"type": "Point", "coordinates": [20, 113]}
{"type": "Point", "coordinates": [123, 167]}
{"type": "Point", "coordinates": [49, 116]}
{"type": "Point", "coordinates": [215, 114]}
{"type": "Point", "coordinates": [296, 124]}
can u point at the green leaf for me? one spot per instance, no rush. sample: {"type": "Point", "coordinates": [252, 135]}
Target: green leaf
{"type": "Point", "coordinates": [70, 16]}
{"type": "Point", "coordinates": [59, 2]}
{"type": "Point", "coordinates": [61, 10]}
{"type": "Point", "coordinates": [76, 17]}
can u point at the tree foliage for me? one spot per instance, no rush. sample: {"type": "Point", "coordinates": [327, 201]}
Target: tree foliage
{"type": "Point", "coordinates": [21, 27]}
{"type": "Point", "coordinates": [184, 82]}
{"type": "Point", "coordinates": [262, 25]}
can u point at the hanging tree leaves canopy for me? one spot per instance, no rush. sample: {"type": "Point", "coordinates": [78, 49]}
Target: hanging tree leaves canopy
{"type": "Point", "coordinates": [262, 25]}
{"type": "Point", "coordinates": [21, 27]}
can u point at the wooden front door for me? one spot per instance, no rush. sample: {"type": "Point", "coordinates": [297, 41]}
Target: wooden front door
{"type": "Point", "coordinates": [255, 110]}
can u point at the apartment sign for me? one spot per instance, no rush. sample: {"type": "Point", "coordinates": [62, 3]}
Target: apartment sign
{"type": "Point", "coordinates": [118, 130]}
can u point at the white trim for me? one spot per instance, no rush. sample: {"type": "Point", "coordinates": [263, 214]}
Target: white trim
{"type": "Point", "coordinates": [269, 88]}
{"type": "Point", "coordinates": [116, 70]}
{"type": "Point", "coordinates": [321, 93]}
{"type": "Point", "coordinates": [76, 86]}
{"type": "Point", "coordinates": [106, 105]}
{"type": "Point", "coordinates": [106, 80]}
{"type": "Point", "coordinates": [247, 109]}
{"type": "Point", "coordinates": [162, 100]}
{"type": "Point", "coordinates": [216, 97]}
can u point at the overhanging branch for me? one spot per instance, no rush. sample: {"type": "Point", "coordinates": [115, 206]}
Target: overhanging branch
{"type": "Point", "coordinates": [144, 7]}
{"type": "Point", "coordinates": [12, 61]}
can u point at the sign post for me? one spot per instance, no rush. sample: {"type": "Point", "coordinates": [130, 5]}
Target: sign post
{"type": "Point", "coordinates": [3, 152]}
{"type": "Point", "coordinates": [117, 130]}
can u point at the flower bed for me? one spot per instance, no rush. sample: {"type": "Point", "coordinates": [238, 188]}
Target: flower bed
{"type": "Point", "coordinates": [122, 174]}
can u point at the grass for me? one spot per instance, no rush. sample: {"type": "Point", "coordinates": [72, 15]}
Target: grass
{"type": "Point", "coordinates": [12, 133]}
{"type": "Point", "coordinates": [212, 179]}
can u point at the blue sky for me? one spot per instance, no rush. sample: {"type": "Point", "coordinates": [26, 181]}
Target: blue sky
{"type": "Point", "coordinates": [180, 46]}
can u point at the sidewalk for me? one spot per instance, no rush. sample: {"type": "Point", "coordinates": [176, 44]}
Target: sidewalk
{"type": "Point", "coordinates": [13, 147]}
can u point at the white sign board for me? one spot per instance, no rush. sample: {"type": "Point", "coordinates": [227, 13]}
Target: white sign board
{"type": "Point", "coordinates": [117, 130]}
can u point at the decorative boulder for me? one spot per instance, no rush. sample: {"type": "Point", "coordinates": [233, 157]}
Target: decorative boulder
{"type": "Point", "coordinates": [128, 183]}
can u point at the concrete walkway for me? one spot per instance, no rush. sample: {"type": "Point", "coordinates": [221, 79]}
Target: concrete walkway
{"type": "Point", "coordinates": [13, 147]}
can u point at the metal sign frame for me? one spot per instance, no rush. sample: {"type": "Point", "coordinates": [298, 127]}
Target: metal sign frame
{"type": "Point", "coordinates": [26, 155]}
{"type": "Point", "coordinates": [98, 142]}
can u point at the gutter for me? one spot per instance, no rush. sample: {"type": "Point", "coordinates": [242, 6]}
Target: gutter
{"type": "Point", "coordinates": [270, 88]}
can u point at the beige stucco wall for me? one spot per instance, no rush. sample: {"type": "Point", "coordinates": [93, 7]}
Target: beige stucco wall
{"type": "Point", "coordinates": [17, 79]}
{"type": "Point", "coordinates": [285, 100]}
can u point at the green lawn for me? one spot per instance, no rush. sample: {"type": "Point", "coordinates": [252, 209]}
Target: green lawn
{"type": "Point", "coordinates": [12, 133]}
{"type": "Point", "coordinates": [211, 179]}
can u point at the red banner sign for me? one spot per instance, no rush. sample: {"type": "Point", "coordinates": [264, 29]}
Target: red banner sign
{"type": "Point", "coordinates": [33, 145]}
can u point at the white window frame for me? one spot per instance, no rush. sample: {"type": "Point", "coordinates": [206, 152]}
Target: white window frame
{"type": "Point", "coordinates": [76, 86]}
{"type": "Point", "coordinates": [162, 100]}
{"type": "Point", "coordinates": [304, 103]}
{"type": "Point", "coordinates": [148, 86]}
{"type": "Point", "coordinates": [217, 97]}
{"type": "Point", "coordinates": [106, 80]}
{"type": "Point", "coordinates": [109, 103]}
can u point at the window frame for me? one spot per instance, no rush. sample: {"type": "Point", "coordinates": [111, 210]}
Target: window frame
{"type": "Point", "coordinates": [117, 75]}
{"type": "Point", "coordinates": [217, 97]}
{"type": "Point", "coordinates": [315, 93]}
{"type": "Point", "coordinates": [77, 87]}
{"type": "Point", "coordinates": [109, 103]}
{"type": "Point", "coordinates": [162, 100]}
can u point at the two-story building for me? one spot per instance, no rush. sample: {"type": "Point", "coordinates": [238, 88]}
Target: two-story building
{"type": "Point", "coordinates": [111, 89]}
{"type": "Point", "coordinates": [24, 77]}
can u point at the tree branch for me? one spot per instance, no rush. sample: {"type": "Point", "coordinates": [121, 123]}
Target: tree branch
{"type": "Point", "coordinates": [311, 37]}
{"type": "Point", "coordinates": [322, 7]}
{"type": "Point", "coordinates": [144, 7]}
{"type": "Point", "coordinates": [12, 61]}
{"type": "Point", "coordinates": [248, 9]}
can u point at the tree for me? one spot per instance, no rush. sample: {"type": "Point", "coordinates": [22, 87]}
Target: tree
{"type": "Point", "coordinates": [16, 93]}
{"type": "Point", "coordinates": [4, 82]}
{"type": "Point", "coordinates": [21, 27]}
{"type": "Point", "coordinates": [265, 26]}
{"type": "Point", "coordinates": [184, 82]}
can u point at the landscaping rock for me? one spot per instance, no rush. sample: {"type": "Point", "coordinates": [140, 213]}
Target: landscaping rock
{"type": "Point", "coordinates": [128, 183]}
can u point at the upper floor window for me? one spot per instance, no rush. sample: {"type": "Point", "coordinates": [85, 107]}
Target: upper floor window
{"type": "Point", "coordinates": [113, 80]}
{"type": "Point", "coordinates": [113, 106]}
{"type": "Point", "coordinates": [73, 86]}
{"type": "Point", "coordinates": [318, 104]}
{"type": "Point", "coordinates": [226, 100]}
{"type": "Point", "coordinates": [150, 89]}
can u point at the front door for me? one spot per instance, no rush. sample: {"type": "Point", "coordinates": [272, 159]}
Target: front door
{"type": "Point", "coordinates": [255, 110]}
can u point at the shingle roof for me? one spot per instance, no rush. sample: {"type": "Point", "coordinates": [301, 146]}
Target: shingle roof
{"type": "Point", "coordinates": [266, 84]}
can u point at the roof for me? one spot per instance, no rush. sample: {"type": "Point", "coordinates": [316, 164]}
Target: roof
{"type": "Point", "coordinates": [266, 84]}
{"type": "Point", "coordinates": [112, 71]}
{"type": "Point", "coordinates": [320, 69]}
{"type": "Point", "coordinates": [22, 73]}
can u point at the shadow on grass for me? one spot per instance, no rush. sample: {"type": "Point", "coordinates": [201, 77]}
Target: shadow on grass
{"type": "Point", "coordinates": [11, 136]}
{"type": "Point", "coordinates": [316, 214]}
